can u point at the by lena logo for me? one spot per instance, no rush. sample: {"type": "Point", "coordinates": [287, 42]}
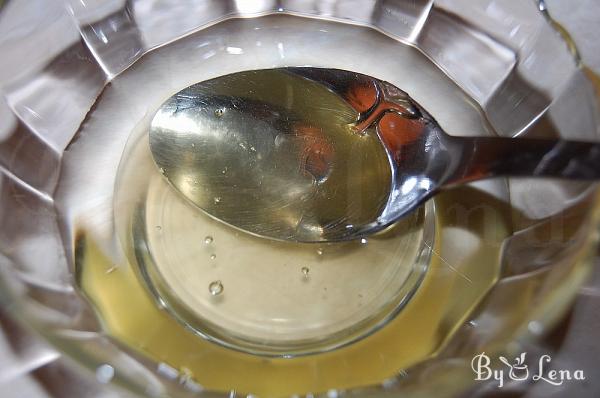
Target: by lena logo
{"type": "Point", "coordinates": [519, 370]}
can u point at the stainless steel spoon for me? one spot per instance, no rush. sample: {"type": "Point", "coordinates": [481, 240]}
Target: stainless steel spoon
{"type": "Point", "coordinates": [311, 155]}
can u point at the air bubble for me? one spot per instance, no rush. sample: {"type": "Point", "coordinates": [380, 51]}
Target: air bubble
{"type": "Point", "coordinates": [305, 271]}
{"type": "Point", "coordinates": [215, 288]}
{"type": "Point", "coordinates": [217, 199]}
{"type": "Point", "coordinates": [364, 241]}
{"type": "Point", "coordinates": [320, 251]}
{"type": "Point", "coordinates": [218, 112]}
{"type": "Point", "coordinates": [208, 240]}
{"type": "Point", "coordinates": [213, 256]}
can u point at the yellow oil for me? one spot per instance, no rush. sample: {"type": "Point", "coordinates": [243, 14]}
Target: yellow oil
{"type": "Point", "coordinates": [455, 282]}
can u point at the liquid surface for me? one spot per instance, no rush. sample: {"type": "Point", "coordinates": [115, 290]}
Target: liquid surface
{"type": "Point", "coordinates": [130, 215]}
{"type": "Point", "coordinates": [265, 296]}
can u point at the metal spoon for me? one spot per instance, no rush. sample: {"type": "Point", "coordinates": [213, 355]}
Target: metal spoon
{"type": "Point", "coordinates": [311, 155]}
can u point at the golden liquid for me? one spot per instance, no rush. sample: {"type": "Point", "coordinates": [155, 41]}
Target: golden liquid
{"type": "Point", "coordinates": [453, 285]}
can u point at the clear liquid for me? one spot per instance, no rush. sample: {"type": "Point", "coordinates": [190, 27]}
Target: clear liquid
{"type": "Point", "coordinates": [127, 223]}
{"type": "Point", "coordinates": [281, 298]}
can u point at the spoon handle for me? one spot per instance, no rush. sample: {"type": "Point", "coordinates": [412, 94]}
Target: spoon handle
{"type": "Point", "coordinates": [497, 156]}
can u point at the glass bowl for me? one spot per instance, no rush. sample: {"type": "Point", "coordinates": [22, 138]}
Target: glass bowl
{"type": "Point", "coordinates": [493, 264]}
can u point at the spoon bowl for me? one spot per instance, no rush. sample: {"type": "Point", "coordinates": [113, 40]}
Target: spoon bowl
{"type": "Point", "coordinates": [318, 155]}
{"type": "Point", "coordinates": [273, 153]}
